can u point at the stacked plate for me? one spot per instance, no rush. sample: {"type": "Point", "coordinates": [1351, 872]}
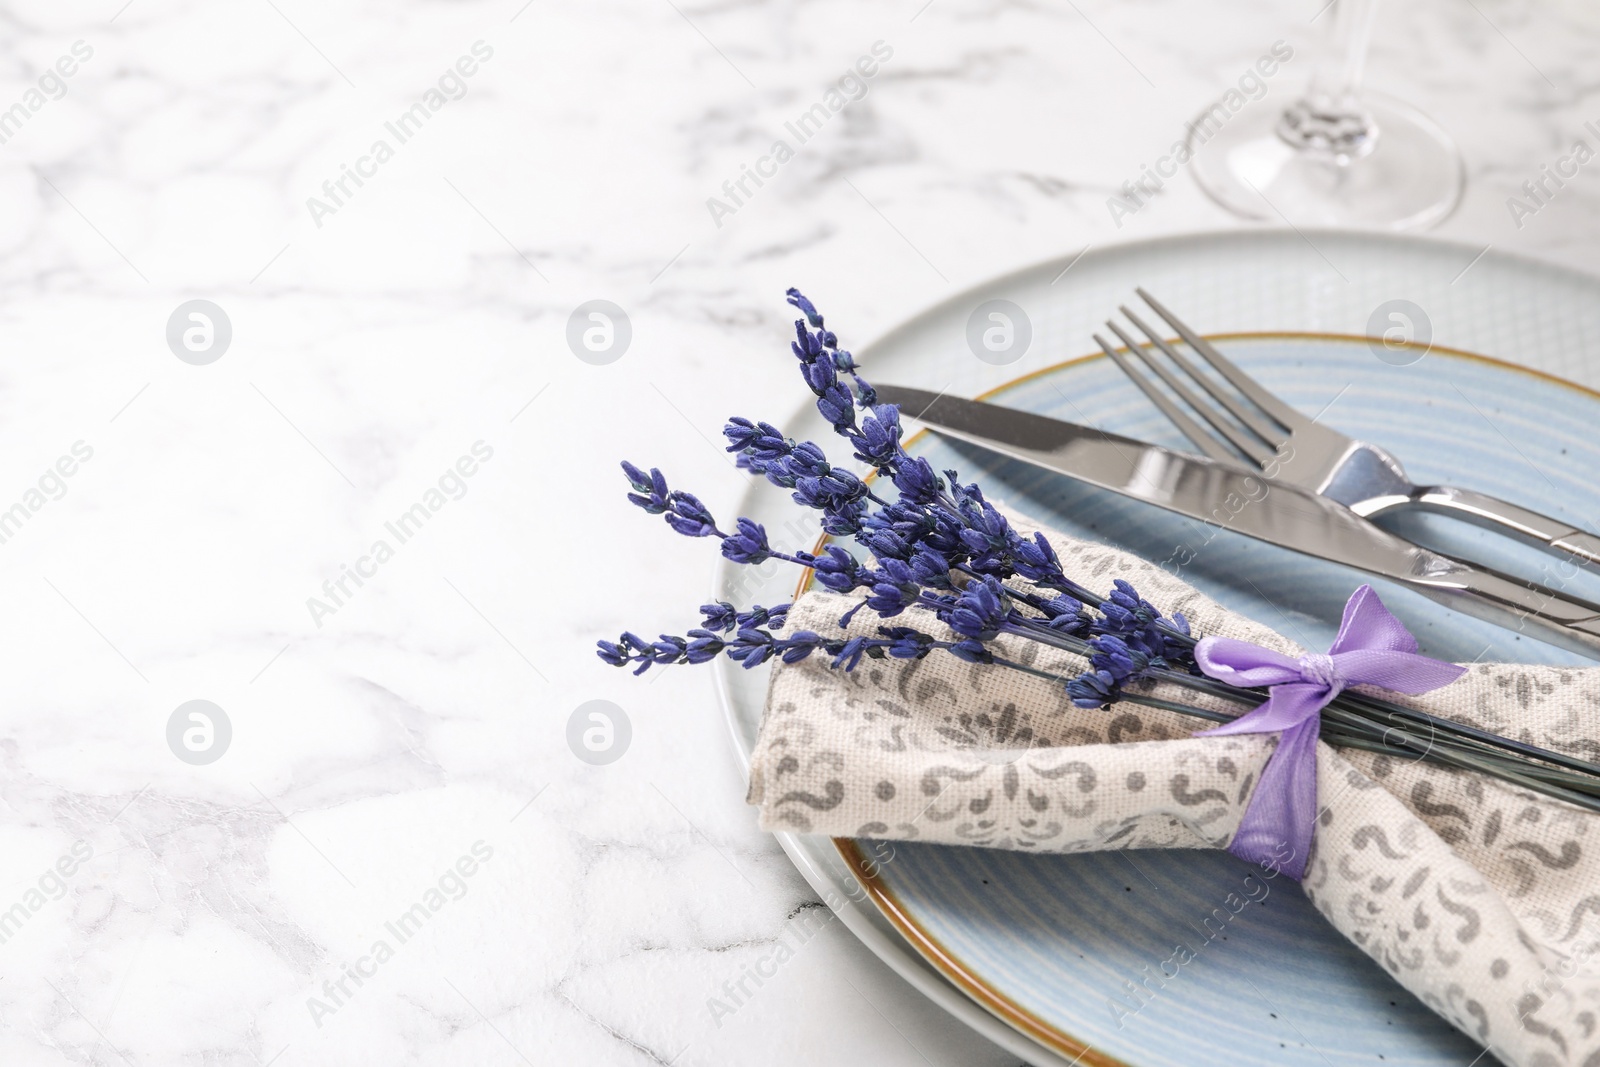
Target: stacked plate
{"type": "Point", "coordinates": [1060, 958]}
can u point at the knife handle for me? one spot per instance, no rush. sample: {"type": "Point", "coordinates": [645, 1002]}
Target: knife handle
{"type": "Point", "coordinates": [1502, 516]}
{"type": "Point", "coordinates": [1515, 605]}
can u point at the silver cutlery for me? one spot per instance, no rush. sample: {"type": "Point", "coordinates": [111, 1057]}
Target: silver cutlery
{"type": "Point", "coordinates": [1248, 502]}
{"type": "Point", "coordinates": [1255, 427]}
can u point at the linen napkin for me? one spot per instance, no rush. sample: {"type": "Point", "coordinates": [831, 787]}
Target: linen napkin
{"type": "Point", "coordinates": [1480, 898]}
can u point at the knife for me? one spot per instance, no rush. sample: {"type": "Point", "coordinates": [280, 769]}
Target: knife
{"type": "Point", "coordinates": [1251, 504]}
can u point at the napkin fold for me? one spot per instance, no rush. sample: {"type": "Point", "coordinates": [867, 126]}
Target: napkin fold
{"type": "Point", "coordinates": [1480, 898]}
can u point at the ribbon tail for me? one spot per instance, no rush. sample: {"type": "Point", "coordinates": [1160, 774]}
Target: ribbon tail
{"type": "Point", "coordinates": [1275, 831]}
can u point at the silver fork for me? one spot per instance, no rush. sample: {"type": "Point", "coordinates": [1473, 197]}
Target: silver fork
{"type": "Point", "coordinates": [1258, 429]}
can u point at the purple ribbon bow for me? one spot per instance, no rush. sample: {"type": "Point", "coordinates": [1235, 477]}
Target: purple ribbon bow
{"type": "Point", "coordinates": [1373, 647]}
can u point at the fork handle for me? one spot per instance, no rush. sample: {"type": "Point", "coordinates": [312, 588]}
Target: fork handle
{"type": "Point", "coordinates": [1492, 513]}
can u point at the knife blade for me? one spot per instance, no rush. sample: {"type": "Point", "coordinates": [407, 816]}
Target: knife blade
{"type": "Point", "coordinates": [1249, 503]}
{"type": "Point", "coordinates": [1202, 489]}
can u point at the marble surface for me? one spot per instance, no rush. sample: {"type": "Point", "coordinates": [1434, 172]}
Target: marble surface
{"type": "Point", "coordinates": [403, 749]}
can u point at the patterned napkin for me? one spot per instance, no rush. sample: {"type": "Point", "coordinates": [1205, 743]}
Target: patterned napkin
{"type": "Point", "coordinates": [1482, 899]}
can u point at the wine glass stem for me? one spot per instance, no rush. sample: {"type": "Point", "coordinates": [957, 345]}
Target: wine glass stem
{"type": "Point", "coordinates": [1340, 79]}
{"type": "Point", "coordinates": [1329, 119]}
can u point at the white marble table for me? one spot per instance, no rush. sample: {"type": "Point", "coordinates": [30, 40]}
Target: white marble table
{"type": "Point", "coordinates": [405, 742]}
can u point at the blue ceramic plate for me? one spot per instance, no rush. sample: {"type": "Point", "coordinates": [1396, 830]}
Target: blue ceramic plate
{"type": "Point", "coordinates": [1047, 945]}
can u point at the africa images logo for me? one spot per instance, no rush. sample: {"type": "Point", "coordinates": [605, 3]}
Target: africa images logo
{"type": "Point", "coordinates": [451, 885]}
{"type": "Point", "coordinates": [851, 87]}
{"type": "Point", "coordinates": [452, 485]}
{"type": "Point", "coordinates": [452, 85]}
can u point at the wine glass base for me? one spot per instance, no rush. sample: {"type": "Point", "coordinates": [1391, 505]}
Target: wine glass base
{"type": "Point", "coordinates": [1411, 179]}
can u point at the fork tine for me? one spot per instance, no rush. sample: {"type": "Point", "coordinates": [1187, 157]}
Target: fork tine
{"type": "Point", "coordinates": [1204, 441]}
{"type": "Point", "coordinates": [1257, 425]}
{"type": "Point", "coordinates": [1239, 440]}
{"type": "Point", "coordinates": [1289, 418]}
